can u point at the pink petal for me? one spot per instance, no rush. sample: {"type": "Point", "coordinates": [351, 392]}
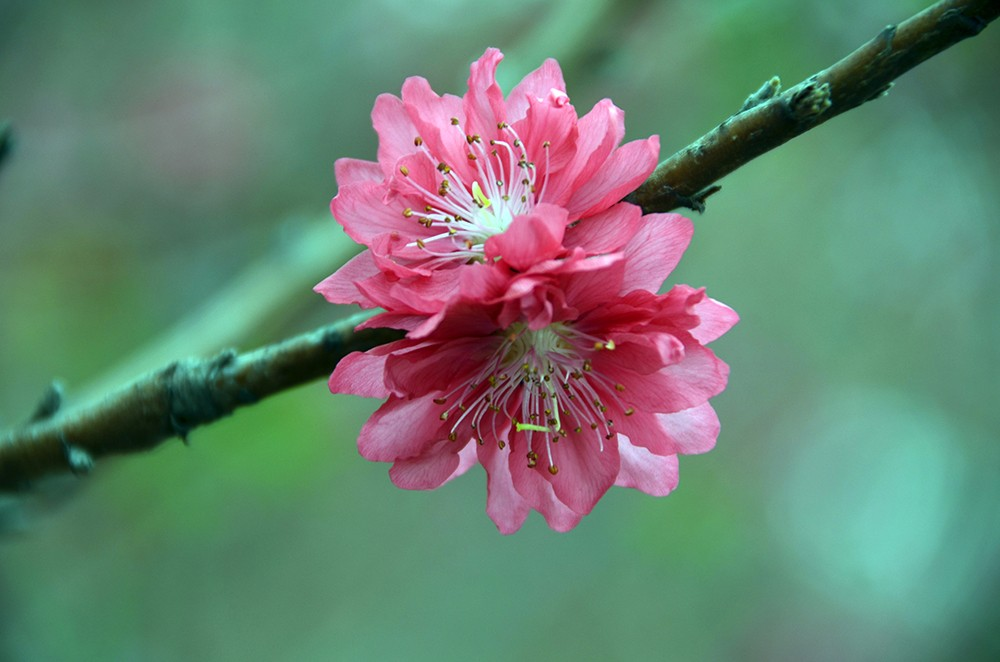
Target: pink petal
{"type": "Point", "coordinates": [439, 463]}
{"type": "Point", "coordinates": [359, 208]}
{"type": "Point", "coordinates": [688, 383]}
{"type": "Point", "coordinates": [653, 474]}
{"type": "Point", "coordinates": [693, 430]}
{"type": "Point", "coordinates": [535, 85]}
{"type": "Point", "coordinates": [593, 281]}
{"type": "Point", "coordinates": [549, 134]}
{"type": "Point", "coordinates": [655, 250]}
{"type": "Point", "coordinates": [606, 231]}
{"type": "Point", "coordinates": [340, 287]}
{"type": "Point", "coordinates": [530, 238]}
{"type": "Point", "coordinates": [686, 432]}
{"type": "Point", "coordinates": [647, 351]}
{"type": "Point", "coordinates": [504, 505]}
{"type": "Point", "coordinates": [539, 493]}
{"type": "Point", "coordinates": [483, 103]}
{"type": "Point", "coordinates": [401, 428]}
{"type": "Point", "coordinates": [403, 321]}
{"type": "Point", "coordinates": [623, 171]}
{"type": "Point", "coordinates": [360, 373]}
{"type": "Point", "coordinates": [356, 171]}
{"type": "Point", "coordinates": [431, 116]}
{"type": "Point", "coordinates": [586, 472]}
{"type": "Point", "coordinates": [395, 131]}
{"type": "Point", "coordinates": [438, 367]}
{"type": "Point", "coordinates": [715, 319]}
{"type": "Point", "coordinates": [597, 134]}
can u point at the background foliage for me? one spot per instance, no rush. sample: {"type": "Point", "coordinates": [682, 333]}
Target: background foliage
{"type": "Point", "coordinates": [168, 196]}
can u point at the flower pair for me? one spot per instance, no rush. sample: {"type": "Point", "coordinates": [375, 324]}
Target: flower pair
{"type": "Point", "coordinates": [536, 343]}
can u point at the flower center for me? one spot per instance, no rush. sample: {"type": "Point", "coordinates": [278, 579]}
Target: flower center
{"type": "Point", "coordinates": [543, 384]}
{"type": "Point", "coordinates": [467, 213]}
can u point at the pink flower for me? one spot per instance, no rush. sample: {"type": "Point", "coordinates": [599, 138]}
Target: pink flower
{"type": "Point", "coordinates": [561, 380]}
{"type": "Point", "coordinates": [481, 179]}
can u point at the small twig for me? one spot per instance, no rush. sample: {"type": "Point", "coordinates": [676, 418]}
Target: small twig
{"type": "Point", "coordinates": [175, 400]}
{"type": "Point", "coordinates": [761, 125]}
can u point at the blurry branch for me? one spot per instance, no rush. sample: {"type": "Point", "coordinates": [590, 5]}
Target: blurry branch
{"type": "Point", "coordinates": [186, 394]}
{"type": "Point", "coordinates": [6, 142]}
{"type": "Point", "coordinates": [688, 177]}
{"type": "Point", "coordinates": [174, 400]}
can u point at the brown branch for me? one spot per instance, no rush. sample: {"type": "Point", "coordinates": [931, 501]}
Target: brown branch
{"type": "Point", "coordinates": [186, 394]}
{"type": "Point", "coordinates": [688, 177]}
{"type": "Point", "coordinates": [174, 400]}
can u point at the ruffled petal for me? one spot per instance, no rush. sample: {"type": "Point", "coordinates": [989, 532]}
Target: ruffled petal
{"type": "Point", "coordinates": [535, 85]}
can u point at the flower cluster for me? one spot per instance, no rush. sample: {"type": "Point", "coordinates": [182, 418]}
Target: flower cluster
{"type": "Point", "coordinates": [536, 342]}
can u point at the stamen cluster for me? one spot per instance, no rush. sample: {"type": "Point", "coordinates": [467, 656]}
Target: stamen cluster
{"type": "Point", "coordinates": [536, 343]}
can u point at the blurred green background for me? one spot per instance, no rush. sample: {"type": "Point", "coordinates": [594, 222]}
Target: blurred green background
{"type": "Point", "coordinates": [168, 196]}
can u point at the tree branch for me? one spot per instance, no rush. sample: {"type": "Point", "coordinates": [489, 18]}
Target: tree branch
{"type": "Point", "coordinates": [767, 121]}
{"type": "Point", "coordinates": [173, 401]}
